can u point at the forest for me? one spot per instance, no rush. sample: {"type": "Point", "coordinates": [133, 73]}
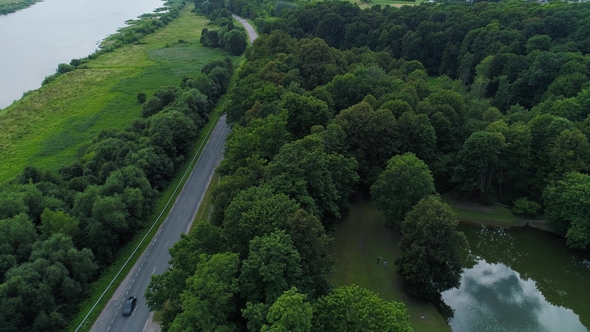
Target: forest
{"type": "Point", "coordinates": [489, 102]}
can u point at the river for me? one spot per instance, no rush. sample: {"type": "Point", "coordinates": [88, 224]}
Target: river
{"type": "Point", "coordinates": [35, 40]}
{"type": "Point", "coordinates": [521, 280]}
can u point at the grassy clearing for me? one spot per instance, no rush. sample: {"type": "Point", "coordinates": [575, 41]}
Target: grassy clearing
{"type": "Point", "coordinates": [362, 237]}
{"type": "Point", "coordinates": [48, 126]}
{"type": "Point", "coordinates": [493, 215]}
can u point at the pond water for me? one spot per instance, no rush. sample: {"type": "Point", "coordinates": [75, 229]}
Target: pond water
{"type": "Point", "coordinates": [35, 40]}
{"type": "Point", "coordinates": [521, 280]}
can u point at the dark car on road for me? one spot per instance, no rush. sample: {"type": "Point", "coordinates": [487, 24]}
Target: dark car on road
{"type": "Point", "coordinates": [129, 306]}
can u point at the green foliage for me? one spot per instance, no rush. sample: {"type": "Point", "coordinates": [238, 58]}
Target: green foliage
{"type": "Point", "coordinates": [273, 266]}
{"type": "Point", "coordinates": [371, 138]}
{"type": "Point", "coordinates": [433, 250]}
{"type": "Point", "coordinates": [58, 222]}
{"type": "Point", "coordinates": [210, 295]}
{"type": "Point", "coordinates": [525, 207]}
{"type": "Point", "coordinates": [567, 209]}
{"type": "Point", "coordinates": [478, 164]}
{"type": "Point", "coordinates": [141, 97]}
{"type": "Point", "coordinates": [352, 308]}
{"type": "Point", "coordinates": [256, 211]}
{"type": "Point", "coordinates": [405, 181]}
{"type": "Point", "coordinates": [236, 42]}
{"type": "Point", "coordinates": [318, 181]}
{"type": "Point", "coordinates": [290, 312]}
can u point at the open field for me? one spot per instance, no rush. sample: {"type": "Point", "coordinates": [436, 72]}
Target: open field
{"type": "Point", "coordinates": [48, 126]}
{"type": "Point", "coordinates": [362, 237]}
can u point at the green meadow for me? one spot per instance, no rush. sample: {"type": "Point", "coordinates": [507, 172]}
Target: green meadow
{"type": "Point", "coordinates": [48, 126]}
{"type": "Point", "coordinates": [361, 237]}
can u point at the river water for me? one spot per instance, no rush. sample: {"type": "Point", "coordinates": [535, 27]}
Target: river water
{"type": "Point", "coordinates": [35, 40]}
{"type": "Point", "coordinates": [521, 280]}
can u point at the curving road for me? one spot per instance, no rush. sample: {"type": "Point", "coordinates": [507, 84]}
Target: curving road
{"type": "Point", "coordinates": [155, 258]}
{"type": "Point", "coordinates": [252, 35]}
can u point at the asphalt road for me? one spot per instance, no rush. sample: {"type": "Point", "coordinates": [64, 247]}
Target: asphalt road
{"type": "Point", "coordinates": [249, 29]}
{"type": "Point", "coordinates": [155, 258]}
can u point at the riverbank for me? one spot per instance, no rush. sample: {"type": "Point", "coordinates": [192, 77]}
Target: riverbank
{"type": "Point", "coordinates": [491, 215]}
{"type": "Point", "coordinates": [11, 6]}
{"type": "Point", "coordinates": [47, 126]}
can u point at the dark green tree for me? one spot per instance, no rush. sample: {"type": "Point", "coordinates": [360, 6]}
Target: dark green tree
{"type": "Point", "coordinates": [567, 208]}
{"type": "Point", "coordinates": [479, 165]}
{"type": "Point", "coordinates": [352, 309]}
{"type": "Point", "coordinates": [273, 266]}
{"type": "Point", "coordinates": [209, 301]}
{"type": "Point", "coordinates": [433, 250]}
{"type": "Point", "coordinates": [405, 181]}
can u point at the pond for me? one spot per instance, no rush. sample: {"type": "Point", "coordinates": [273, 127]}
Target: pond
{"type": "Point", "coordinates": [521, 279]}
{"type": "Point", "coordinates": [35, 40]}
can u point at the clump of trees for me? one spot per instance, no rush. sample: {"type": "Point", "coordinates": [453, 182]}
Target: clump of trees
{"type": "Point", "coordinates": [229, 37]}
{"type": "Point", "coordinates": [58, 231]}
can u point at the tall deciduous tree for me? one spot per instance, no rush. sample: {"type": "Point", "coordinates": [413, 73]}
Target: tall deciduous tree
{"type": "Point", "coordinates": [256, 211]}
{"type": "Point", "coordinates": [405, 181]}
{"type": "Point", "coordinates": [209, 302]}
{"type": "Point", "coordinates": [433, 250]}
{"type": "Point", "coordinates": [353, 309]}
{"type": "Point", "coordinates": [320, 182]}
{"type": "Point", "coordinates": [370, 137]}
{"type": "Point", "coordinates": [479, 164]}
{"type": "Point", "coordinates": [272, 267]}
{"type": "Point", "coordinates": [567, 208]}
{"type": "Point", "coordinates": [290, 312]}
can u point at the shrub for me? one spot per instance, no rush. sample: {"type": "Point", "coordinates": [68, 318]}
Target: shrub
{"type": "Point", "coordinates": [525, 207]}
{"type": "Point", "coordinates": [141, 97]}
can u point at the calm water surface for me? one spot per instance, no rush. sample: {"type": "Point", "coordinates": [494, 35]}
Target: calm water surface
{"type": "Point", "coordinates": [521, 280]}
{"type": "Point", "coordinates": [35, 40]}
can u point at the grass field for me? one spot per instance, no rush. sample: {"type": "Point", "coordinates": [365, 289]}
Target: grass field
{"type": "Point", "coordinates": [493, 215]}
{"type": "Point", "coordinates": [47, 127]}
{"type": "Point", "coordinates": [362, 237]}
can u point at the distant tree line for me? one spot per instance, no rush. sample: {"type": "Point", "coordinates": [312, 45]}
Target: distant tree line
{"type": "Point", "coordinates": [58, 231]}
{"type": "Point", "coordinates": [229, 37]}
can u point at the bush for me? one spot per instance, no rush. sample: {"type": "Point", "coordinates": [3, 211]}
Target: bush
{"type": "Point", "coordinates": [525, 208]}
{"type": "Point", "coordinates": [141, 97]}
{"type": "Point", "coordinates": [63, 68]}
